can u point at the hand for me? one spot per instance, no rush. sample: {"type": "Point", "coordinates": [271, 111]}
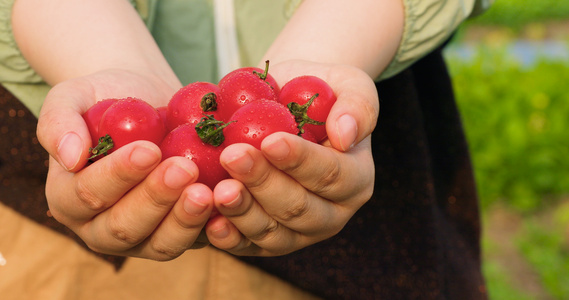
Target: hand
{"type": "Point", "coordinates": [294, 193]}
{"type": "Point", "coordinates": [127, 203]}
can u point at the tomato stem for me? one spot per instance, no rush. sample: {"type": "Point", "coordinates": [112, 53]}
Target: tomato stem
{"type": "Point", "coordinates": [210, 130]}
{"type": "Point", "coordinates": [300, 113]}
{"type": "Point", "coordinates": [103, 147]}
{"type": "Point", "coordinates": [263, 75]}
{"type": "Point", "coordinates": [209, 102]}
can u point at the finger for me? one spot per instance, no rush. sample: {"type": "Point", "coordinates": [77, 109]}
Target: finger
{"type": "Point", "coordinates": [132, 219]}
{"type": "Point", "coordinates": [61, 129]}
{"type": "Point", "coordinates": [354, 115]}
{"type": "Point", "coordinates": [279, 195]}
{"type": "Point", "coordinates": [223, 235]}
{"type": "Point", "coordinates": [324, 171]}
{"type": "Point", "coordinates": [181, 229]}
{"type": "Point", "coordinates": [248, 230]}
{"type": "Point", "coordinates": [77, 197]}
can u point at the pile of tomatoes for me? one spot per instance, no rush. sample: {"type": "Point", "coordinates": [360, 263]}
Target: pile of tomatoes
{"type": "Point", "coordinates": [202, 118]}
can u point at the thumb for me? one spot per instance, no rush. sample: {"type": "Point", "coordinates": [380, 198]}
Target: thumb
{"type": "Point", "coordinates": [354, 115]}
{"type": "Point", "coordinates": [61, 129]}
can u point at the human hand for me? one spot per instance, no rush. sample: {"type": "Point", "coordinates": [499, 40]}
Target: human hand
{"type": "Point", "coordinates": [294, 193]}
{"type": "Point", "coordinates": [127, 203]}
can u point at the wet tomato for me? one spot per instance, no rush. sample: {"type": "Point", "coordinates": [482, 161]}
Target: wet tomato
{"type": "Point", "coordinates": [258, 119]}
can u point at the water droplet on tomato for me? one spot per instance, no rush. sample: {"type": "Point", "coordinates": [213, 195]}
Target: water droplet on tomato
{"type": "Point", "coordinates": [246, 130]}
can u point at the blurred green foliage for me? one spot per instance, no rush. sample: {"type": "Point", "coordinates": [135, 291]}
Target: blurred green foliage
{"type": "Point", "coordinates": [545, 249]}
{"type": "Point", "coordinates": [516, 124]}
{"type": "Point", "coordinates": [516, 13]}
{"type": "Point", "coordinates": [516, 121]}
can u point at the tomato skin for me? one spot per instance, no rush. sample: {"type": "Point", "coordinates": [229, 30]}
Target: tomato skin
{"type": "Point", "coordinates": [300, 90]}
{"type": "Point", "coordinates": [132, 119]}
{"type": "Point", "coordinates": [184, 106]}
{"type": "Point", "coordinates": [242, 86]}
{"type": "Point", "coordinates": [162, 110]}
{"type": "Point", "coordinates": [258, 119]}
{"type": "Point", "coordinates": [93, 117]}
{"type": "Point", "coordinates": [184, 141]}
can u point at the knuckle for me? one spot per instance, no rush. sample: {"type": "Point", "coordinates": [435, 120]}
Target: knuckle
{"type": "Point", "coordinates": [296, 210]}
{"type": "Point", "coordinates": [121, 233]}
{"type": "Point", "coordinates": [88, 197]}
{"type": "Point", "coordinates": [329, 179]}
{"type": "Point", "coordinates": [166, 253]}
{"type": "Point", "coordinates": [371, 109]}
{"type": "Point", "coordinates": [267, 232]}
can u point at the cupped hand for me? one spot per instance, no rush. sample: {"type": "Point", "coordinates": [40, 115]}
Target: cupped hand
{"type": "Point", "coordinates": [294, 193]}
{"type": "Point", "coordinates": [129, 202]}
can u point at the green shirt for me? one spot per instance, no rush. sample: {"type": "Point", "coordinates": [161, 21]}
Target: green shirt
{"type": "Point", "coordinates": [185, 30]}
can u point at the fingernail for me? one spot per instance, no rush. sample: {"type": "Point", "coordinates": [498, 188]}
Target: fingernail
{"type": "Point", "coordinates": [142, 158]}
{"type": "Point", "coordinates": [194, 206]}
{"type": "Point", "coordinates": [176, 177]}
{"type": "Point", "coordinates": [347, 130]}
{"type": "Point", "coordinates": [276, 148]}
{"type": "Point", "coordinates": [69, 150]}
{"type": "Point", "coordinates": [234, 203]}
{"type": "Point", "coordinates": [221, 232]}
{"type": "Point", "coordinates": [241, 163]}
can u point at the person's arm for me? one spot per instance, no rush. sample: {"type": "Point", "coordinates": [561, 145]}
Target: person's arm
{"type": "Point", "coordinates": [127, 203]}
{"type": "Point", "coordinates": [69, 39]}
{"type": "Point", "coordinates": [364, 34]}
{"type": "Point", "coordinates": [294, 193]}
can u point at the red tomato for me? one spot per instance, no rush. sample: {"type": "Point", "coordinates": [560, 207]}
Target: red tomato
{"type": "Point", "coordinates": [311, 116]}
{"type": "Point", "coordinates": [162, 110]}
{"type": "Point", "coordinates": [242, 86]}
{"type": "Point", "coordinates": [258, 119]}
{"type": "Point", "coordinates": [190, 103]}
{"type": "Point", "coordinates": [184, 141]}
{"type": "Point", "coordinates": [129, 120]}
{"type": "Point", "coordinates": [93, 116]}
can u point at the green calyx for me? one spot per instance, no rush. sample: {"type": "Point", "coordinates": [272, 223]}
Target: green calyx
{"type": "Point", "coordinates": [300, 113]}
{"type": "Point", "coordinates": [210, 130]}
{"type": "Point", "coordinates": [103, 147]}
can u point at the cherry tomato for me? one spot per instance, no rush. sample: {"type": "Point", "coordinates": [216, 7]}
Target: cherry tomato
{"type": "Point", "coordinates": [126, 121]}
{"type": "Point", "coordinates": [162, 110]}
{"type": "Point", "coordinates": [184, 141]}
{"type": "Point", "coordinates": [189, 104]}
{"type": "Point", "coordinates": [93, 117]}
{"type": "Point", "coordinates": [242, 86]}
{"type": "Point", "coordinates": [258, 119]}
{"type": "Point", "coordinates": [310, 100]}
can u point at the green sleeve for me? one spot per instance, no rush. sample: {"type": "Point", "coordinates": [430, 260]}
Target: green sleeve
{"type": "Point", "coordinates": [429, 23]}
{"type": "Point", "coordinates": [16, 74]}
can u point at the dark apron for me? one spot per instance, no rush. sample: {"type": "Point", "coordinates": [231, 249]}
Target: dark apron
{"type": "Point", "coordinates": [419, 235]}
